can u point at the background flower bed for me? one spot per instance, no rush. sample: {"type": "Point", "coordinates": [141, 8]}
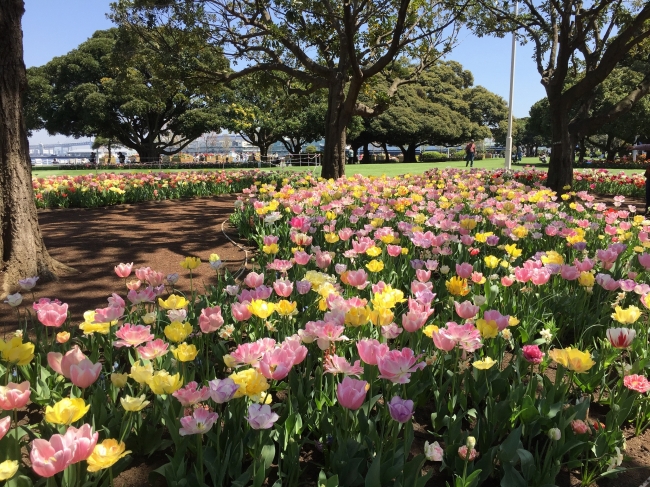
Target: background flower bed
{"type": "Point", "coordinates": [381, 259]}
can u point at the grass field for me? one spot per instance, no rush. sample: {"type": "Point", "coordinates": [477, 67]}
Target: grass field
{"type": "Point", "coordinates": [393, 169]}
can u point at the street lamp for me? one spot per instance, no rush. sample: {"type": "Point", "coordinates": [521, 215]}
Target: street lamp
{"type": "Point", "coordinates": [512, 92]}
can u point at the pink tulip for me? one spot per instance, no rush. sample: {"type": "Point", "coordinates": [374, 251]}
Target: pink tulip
{"type": "Point", "coordinates": [84, 441]}
{"type": "Point", "coordinates": [142, 273]}
{"type": "Point", "coordinates": [607, 282]}
{"type": "Point", "coordinates": [62, 363]}
{"type": "Point", "coordinates": [154, 349]}
{"type": "Point", "coordinates": [621, 337]}
{"type": "Point", "coordinates": [210, 319]}
{"type": "Point", "coordinates": [250, 353]}
{"type": "Point", "coordinates": [240, 311]}
{"type": "Point", "coordinates": [51, 457]}
{"type": "Point", "coordinates": [532, 354]}
{"type": "Point", "coordinates": [412, 321]}
{"type": "Point", "coordinates": [276, 364]}
{"type": "Point", "coordinates": [283, 288]}
{"type": "Point", "coordinates": [5, 425]}
{"type": "Point", "coordinates": [116, 301]}
{"type": "Point", "coordinates": [52, 314]}
{"type": "Point", "coordinates": [394, 250]}
{"type": "Point", "coordinates": [133, 286]}
{"type": "Point", "coordinates": [370, 350]}
{"type": "Point", "coordinates": [147, 295]}
{"type": "Point", "coordinates": [466, 310]}
{"type": "Point", "coordinates": [540, 277]}
{"type": "Point", "coordinates": [522, 274]}
{"type": "Point", "coordinates": [423, 275]}
{"type": "Point", "coordinates": [301, 258]}
{"type": "Point", "coordinates": [260, 417]}
{"type": "Point", "coordinates": [123, 270]}
{"type": "Point", "coordinates": [644, 260]}
{"type": "Point", "coordinates": [155, 279]}
{"type": "Point", "coordinates": [443, 341]}
{"type": "Point", "coordinates": [397, 366]}
{"type": "Point", "coordinates": [294, 345]}
{"type": "Point", "coordinates": [464, 270]}
{"type": "Point", "coordinates": [14, 396]}
{"type": "Point", "coordinates": [85, 373]}
{"type": "Point", "coordinates": [199, 423]}
{"type": "Point", "coordinates": [132, 335]}
{"type": "Point", "coordinates": [253, 280]}
{"type": "Point", "coordinates": [507, 281]}
{"type": "Point", "coordinates": [358, 278]}
{"type": "Point", "coordinates": [192, 394]}
{"type": "Point", "coordinates": [584, 266]}
{"type": "Point", "coordinates": [569, 272]}
{"type": "Point", "coordinates": [351, 393]}
{"type": "Point", "coordinates": [391, 331]}
{"type": "Point", "coordinates": [338, 365]}
{"type": "Point", "coordinates": [108, 315]}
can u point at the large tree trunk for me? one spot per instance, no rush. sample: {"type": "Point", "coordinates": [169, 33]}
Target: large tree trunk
{"type": "Point", "coordinates": [384, 146]}
{"type": "Point", "coordinates": [409, 154]}
{"type": "Point", "coordinates": [366, 153]}
{"type": "Point", "coordinates": [147, 155]}
{"type": "Point", "coordinates": [336, 120]}
{"type": "Point", "coordinates": [22, 251]}
{"type": "Point", "coordinates": [560, 169]}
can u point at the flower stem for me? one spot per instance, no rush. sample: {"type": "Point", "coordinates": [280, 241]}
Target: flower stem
{"type": "Point", "coordinates": [199, 448]}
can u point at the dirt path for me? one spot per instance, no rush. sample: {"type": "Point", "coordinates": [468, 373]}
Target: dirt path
{"type": "Point", "coordinates": [156, 234]}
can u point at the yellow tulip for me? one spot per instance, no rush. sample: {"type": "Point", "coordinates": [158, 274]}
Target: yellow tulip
{"type": "Point", "coordinates": [271, 249]}
{"type": "Point", "coordinates": [513, 251]}
{"type": "Point", "coordinates": [457, 286]}
{"type": "Point", "coordinates": [285, 307]}
{"type": "Point", "coordinates": [484, 364]}
{"type": "Point", "coordinates": [8, 469]}
{"type": "Point", "coordinates": [381, 317]}
{"type": "Point", "coordinates": [141, 373]}
{"type": "Point", "coordinates": [134, 404]}
{"type": "Point", "coordinates": [119, 380]}
{"type": "Point", "coordinates": [251, 383]}
{"type": "Point", "coordinates": [520, 231]}
{"type": "Point", "coordinates": [173, 302]}
{"type": "Point", "coordinates": [374, 251]}
{"type": "Point", "coordinates": [488, 329]}
{"type": "Point", "coordinates": [261, 308]}
{"type": "Point", "coordinates": [331, 237]}
{"type": "Point", "coordinates": [482, 237]}
{"type": "Point", "coordinates": [185, 352]}
{"type": "Point", "coordinates": [375, 265]}
{"type": "Point", "coordinates": [66, 411]}
{"type": "Point", "coordinates": [357, 316]}
{"type": "Point", "coordinates": [468, 223]}
{"type": "Point", "coordinates": [149, 318]}
{"type": "Point", "coordinates": [190, 263]}
{"type": "Point", "coordinates": [572, 359]}
{"type": "Point", "coordinates": [552, 257]}
{"type": "Point", "coordinates": [177, 331]}
{"type": "Point", "coordinates": [625, 316]}
{"type": "Point", "coordinates": [429, 330]}
{"type": "Point", "coordinates": [491, 261]}
{"type": "Point", "coordinates": [388, 298]}
{"type": "Point", "coordinates": [17, 352]}
{"type": "Point", "coordinates": [106, 454]}
{"type": "Point", "coordinates": [586, 279]}
{"type": "Point", "coordinates": [164, 383]}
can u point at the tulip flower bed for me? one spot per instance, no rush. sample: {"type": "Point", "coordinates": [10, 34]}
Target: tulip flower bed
{"type": "Point", "coordinates": [599, 181]}
{"type": "Point", "coordinates": [105, 189]}
{"type": "Point", "coordinates": [502, 325]}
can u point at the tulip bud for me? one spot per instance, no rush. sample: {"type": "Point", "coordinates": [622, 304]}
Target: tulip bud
{"type": "Point", "coordinates": [554, 434]}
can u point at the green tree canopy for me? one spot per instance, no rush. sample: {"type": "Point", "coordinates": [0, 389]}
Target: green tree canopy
{"type": "Point", "coordinates": [117, 87]}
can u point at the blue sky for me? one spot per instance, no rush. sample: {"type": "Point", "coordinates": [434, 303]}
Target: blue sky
{"type": "Point", "coordinates": [54, 27]}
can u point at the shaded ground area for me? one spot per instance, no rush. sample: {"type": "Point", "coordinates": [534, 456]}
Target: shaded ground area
{"type": "Point", "coordinates": [155, 234]}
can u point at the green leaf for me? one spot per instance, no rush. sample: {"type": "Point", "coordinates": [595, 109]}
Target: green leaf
{"type": "Point", "coordinates": [373, 477]}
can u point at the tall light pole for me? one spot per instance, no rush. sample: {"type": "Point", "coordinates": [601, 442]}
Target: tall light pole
{"type": "Point", "coordinates": [512, 93]}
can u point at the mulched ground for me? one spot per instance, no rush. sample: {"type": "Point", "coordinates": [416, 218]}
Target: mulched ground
{"type": "Point", "coordinates": [156, 234]}
{"type": "Point", "coordinates": [160, 235]}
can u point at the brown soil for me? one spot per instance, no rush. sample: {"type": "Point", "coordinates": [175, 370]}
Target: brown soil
{"type": "Point", "coordinates": [157, 234]}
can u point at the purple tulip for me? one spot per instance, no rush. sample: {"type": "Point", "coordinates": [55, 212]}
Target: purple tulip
{"type": "Point", "coordinates": [401, 410]}
{"type": "Point", "coordinates": [222, 390]}
{"type": "Point", "coordinates": [260, 417]}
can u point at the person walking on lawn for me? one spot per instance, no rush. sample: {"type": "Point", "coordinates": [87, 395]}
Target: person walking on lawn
{"type": "Point", "coordinates": [470, 152]}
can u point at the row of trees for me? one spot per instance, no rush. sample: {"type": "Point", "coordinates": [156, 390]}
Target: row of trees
{"type": "Point", "coordinates": [113, 87]}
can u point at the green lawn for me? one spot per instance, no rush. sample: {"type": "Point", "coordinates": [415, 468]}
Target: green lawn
{"type": "Point", "coordinates": [393, 169]}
